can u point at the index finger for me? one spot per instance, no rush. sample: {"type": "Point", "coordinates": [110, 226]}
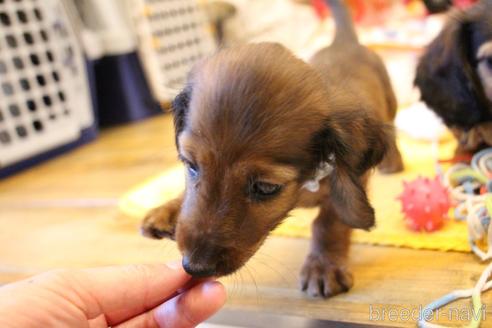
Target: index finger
{"type": "Point", "coordinates": [120, 293]}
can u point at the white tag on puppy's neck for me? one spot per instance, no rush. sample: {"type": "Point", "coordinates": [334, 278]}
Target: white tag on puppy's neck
{"type": "Point", "coordinates": [322, 172]}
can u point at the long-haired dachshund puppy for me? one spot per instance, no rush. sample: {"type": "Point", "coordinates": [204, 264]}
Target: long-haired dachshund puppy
{"type": "Point", "coordinates": [455, 76]}
{"type": "Point", "coordinates": [261, 132]}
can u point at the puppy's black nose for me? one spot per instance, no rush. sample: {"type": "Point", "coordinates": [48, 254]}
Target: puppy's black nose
{"type": "Point", "coordinates": [198, 270]}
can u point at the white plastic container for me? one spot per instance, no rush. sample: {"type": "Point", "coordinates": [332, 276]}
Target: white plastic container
{"type": "Point", "coordinates": [171, 36]}
{"type": "Point", "coordinates": [45, 97]}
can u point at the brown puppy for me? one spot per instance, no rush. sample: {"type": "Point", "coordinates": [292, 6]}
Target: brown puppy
{"type": "Point", "coordinates": [261, 132]}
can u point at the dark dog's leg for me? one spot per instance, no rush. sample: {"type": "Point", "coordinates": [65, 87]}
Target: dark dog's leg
{"type": "Point", "coordinates": [392, 161]}
{"type": "Point", "coordinates": [473, 140]}
{"type": "Point", "coordinates": [161, 221]}
{"type": "Point", "coordinates": [324, 272]}
{"type": "Point", "coordinates": [485, 131]}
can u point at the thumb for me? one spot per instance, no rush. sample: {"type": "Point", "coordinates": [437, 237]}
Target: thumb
{"type": "Point", "coordinates": [192, 307]}
{"type": "Point", "coordinates": [125, 291]}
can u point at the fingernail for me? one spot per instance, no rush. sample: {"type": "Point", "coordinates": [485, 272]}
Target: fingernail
{"type": "Point", "coordinates": [212, 287]}
{"type": "Point", "coordinates": [174, 265]}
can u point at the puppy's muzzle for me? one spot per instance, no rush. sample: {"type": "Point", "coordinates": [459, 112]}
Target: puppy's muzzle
{"type": "Point", "coordinates": [204, 261]}
{"type": "Point", "coordinates": [199, 269]}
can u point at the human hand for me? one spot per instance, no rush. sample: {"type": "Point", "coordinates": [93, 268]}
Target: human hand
{"type": "Point", "coordinates": [122, 296]}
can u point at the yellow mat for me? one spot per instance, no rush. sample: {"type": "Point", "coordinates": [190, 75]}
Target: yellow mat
{"type": "Point", "coordinates": [419, 159]}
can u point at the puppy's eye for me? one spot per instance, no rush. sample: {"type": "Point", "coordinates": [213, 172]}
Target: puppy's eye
{"type": "Point", "coordinates": [489, 62]}
{"type": "Point", "coordinates": [262, 190]}
{"type": "Point", "coordinates": [192, 170]}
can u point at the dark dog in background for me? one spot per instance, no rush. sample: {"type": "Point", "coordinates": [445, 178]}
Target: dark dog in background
{"type": "Point", "coordinates": [261, 132]}
{"type": "Point", "coordinates": [455, 76]}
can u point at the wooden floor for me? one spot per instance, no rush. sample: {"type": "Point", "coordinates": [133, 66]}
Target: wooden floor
{"type": "Point", "coordinates": [63, 214]}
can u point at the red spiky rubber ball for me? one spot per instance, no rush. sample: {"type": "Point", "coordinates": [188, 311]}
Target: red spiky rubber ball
{"type": "Point", "coordinates": [425, 203]}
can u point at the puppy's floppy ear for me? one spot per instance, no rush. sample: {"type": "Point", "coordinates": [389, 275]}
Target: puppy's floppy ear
{"type": "Point", "coordinates": [349, 199]}
{"type": "Point", "coordinates": [446, 75]}
{"type": "Point", "coordinates": [358, 140]}
{"type": "Point", "coordinates": [180, 107]}
{"type": "Point", "coordinates": [356, 143]}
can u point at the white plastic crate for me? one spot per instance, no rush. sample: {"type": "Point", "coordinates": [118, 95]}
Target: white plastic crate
{"type": "Point", "coordinates": [44, 91]}
{"type": "Point", "coordinates": [172, 35]}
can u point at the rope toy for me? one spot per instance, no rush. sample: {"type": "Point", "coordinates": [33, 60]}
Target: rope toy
{"type": "Point", "coordinates": [471, 190]}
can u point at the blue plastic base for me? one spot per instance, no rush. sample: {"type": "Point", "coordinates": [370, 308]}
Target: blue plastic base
{"type": "Point", "coordinates": [86, 136]}
{"type": "Point", "coordinates": [123, 94]}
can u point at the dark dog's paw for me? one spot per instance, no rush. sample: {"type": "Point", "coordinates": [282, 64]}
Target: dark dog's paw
{"type": "Point", "coordinates": [321, 277]}
{"type": "Point", "coordinates": [159, 223]}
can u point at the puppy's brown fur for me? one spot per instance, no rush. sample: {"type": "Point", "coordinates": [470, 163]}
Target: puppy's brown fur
{"type": "Point", "coordinates": [255, 117]}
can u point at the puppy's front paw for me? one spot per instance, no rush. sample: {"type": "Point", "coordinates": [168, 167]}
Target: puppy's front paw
{"type": "Point", "coordinates": [321, 277]}
{"type": "Point", "coordinates": [159, 223]}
